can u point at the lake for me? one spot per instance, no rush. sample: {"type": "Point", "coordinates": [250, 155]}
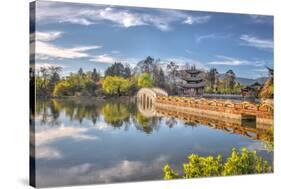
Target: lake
{"type": "Point", "coordinates": [90, 141]}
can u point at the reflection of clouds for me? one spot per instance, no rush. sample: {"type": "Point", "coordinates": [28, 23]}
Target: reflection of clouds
{"type": "Point", "coordinates": [101, 125]}
{"type": "Point", "coordinates": [88, 173]}
{"type": "Point", "coordinates": [46, 152]}
{"type": "Point", "coordinates": [44, 137]}
{"type": "Point", "coordinates": [54, 134]}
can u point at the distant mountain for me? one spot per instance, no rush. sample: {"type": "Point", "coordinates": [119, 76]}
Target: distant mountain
{"type": "Point", "coordinates": [262, 80]}
{"type": "Point", "coordinates": [247, 81]}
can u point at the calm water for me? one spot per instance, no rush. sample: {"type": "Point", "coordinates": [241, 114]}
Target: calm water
{"type": "Point", "coordinates": [90, 141]}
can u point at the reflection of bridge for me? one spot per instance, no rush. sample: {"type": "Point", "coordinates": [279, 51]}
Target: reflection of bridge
{"type": "Point", "coordinates": [250, 129]}
{"type": "Point", "coordinates": [157, 98]}
{"type": "Point", "coordinates": [256, 132]}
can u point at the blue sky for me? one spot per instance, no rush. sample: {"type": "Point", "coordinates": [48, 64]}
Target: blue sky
{"type": "Point", "coordinates": [95, 36]}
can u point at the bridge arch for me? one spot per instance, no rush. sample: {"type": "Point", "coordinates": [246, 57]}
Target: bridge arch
{"type": "Point", "coordinates": [147, 96]}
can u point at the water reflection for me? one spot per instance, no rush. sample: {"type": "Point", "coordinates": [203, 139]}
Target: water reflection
{"type": "Point", "coordinates": [89, 141]}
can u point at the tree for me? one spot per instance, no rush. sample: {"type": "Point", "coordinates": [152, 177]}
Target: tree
{"type": "Point", "coordinates": [229, 80]}
{"type": "Point", "coordinates": [46, 79]}
{"type": "Point", "coordinates": [95, 75]}
{"type": "Point", "coordinates": [267, 90]}
{"type": "Point", "coordinates": [118, 69]}
{"type": "Point", "coordinates": [80, 72]}
{"type": "Point", "coordinates": [114, 85]}
{"type": "Point", "coordinates": [172, 76]}
{"type": "Point", "coordinates": [246, 162]}
{"type": "Point", "coordinates": [159, 77]}
{"type": "Point", "coordinates": [145, 80]}
{"type": "Point", "coordinates": [148, 64]}
{"type": "Point", "coordinates": [75, 84]}
{"type": "Point", "coordinates": [212, 79]}
{"type": "Point", "coordinates": [54, 77]}
{"type": "Point", "coordinates": [63, 88]}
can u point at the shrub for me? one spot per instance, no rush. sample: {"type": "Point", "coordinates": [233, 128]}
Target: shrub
{"type": "Point", "coordinates": [246, 162]}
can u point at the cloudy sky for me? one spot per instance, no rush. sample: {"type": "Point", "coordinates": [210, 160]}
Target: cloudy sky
{"type": "Point", "coordinates": [95, 36]}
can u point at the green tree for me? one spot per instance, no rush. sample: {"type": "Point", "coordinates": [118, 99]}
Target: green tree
{"type": "Point", "coordinates": [115, 113]}
{"type": "Point", "coordinates": [145, 80]}
{"type": "Point", "coordinates": [62, 88]}
{"type": "Point", "coordinates": [118, 69]}
{"type": "Point", "coordinates": [246, 162]}
{"type": "Point", "coordinates": [95, 75]}
{"type": "Point", "coordinates": [114, 85]}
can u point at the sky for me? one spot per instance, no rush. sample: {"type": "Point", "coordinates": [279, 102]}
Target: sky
{"type": "Point", "coordinates": [90, 36]}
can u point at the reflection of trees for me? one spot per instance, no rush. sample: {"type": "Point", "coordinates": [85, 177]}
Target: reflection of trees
{"type": "Point", "coordinates": [115, 114]}
{"type": "Point", "coordinates": [74, 109]}
{"type": "Point", "coordinates": [146, 125]}
{"type": "Point", "coordinates": [41, 109]}
{"type": "Point", "coordinates": [171, 122]}
{"type": "Point", "coordinates": [268, 140]}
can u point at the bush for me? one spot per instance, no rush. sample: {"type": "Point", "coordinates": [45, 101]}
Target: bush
{"type": "Point", "coordinates": [246, 162]}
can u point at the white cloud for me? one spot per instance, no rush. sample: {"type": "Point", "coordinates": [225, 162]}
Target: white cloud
{"type": "Point", "coordinates": [47, 49]}
{"type": "Point", "coordinates": [104, 58]}
{"type": "Point", "coordinates": [224, 60]}
{"type": "Point", "coordinates": [161, 19]}
{"type": "Point", "coordinates": [44, 50]}
{"type": "Point", "coordinates": [261, 19]}
{"type": "Point", "coordinates": [47, 36]}
{"type": "Point", "coordinates": [196, 19]}
{"type": "Point", "coordinates": [249, 40]}
{"type": "Point", "coordinates": [110, 59]}
{"type": "Point", "coordinates": [212, 36]}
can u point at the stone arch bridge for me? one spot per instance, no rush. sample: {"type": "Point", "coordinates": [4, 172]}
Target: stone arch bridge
{"type": "Point", "coordinates": [151, 98]}
{"type": "Point", "coordinates": [146, 98]}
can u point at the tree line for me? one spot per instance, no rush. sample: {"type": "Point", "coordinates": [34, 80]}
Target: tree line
{"type": "Point", "coordinates": [120, 79]}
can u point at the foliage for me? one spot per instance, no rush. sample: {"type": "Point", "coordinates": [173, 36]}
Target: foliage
{"type": "Point", "coordinates": [114, 85]}
{"type": "Point", "coordinates": [159, 77]}
{"type": "Point", "coordinates": [224, 85]}
{"type": "Point", "coordinates": [120, 79]}
{"type": "Point", "coordinates": [145, 80]}
{"type": "Point", "coordinates": [246, 162]}
{"type": "Point", "coordinates": [80, 84]}
{"type": "Point", "coordinates": [115, 114]}
{"type": "Point", "coordinates": [118, 69]}
{"type": "Point", "coordinates": [46, 79]}
{"type": "Point", "coordinates": [267, 90]}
